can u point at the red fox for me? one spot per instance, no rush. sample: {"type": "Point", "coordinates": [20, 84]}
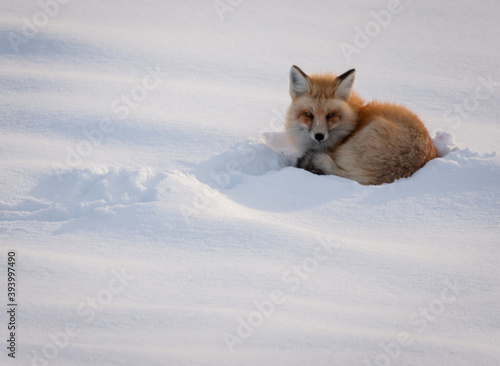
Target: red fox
{"type": "Point", "coordinates": [337, 133]}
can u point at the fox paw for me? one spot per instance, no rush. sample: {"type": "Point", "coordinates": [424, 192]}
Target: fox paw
{"type": "Point", "coordinates": [316, 163]}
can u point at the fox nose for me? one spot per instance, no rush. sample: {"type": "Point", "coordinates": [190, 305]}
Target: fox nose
{"type": "Point", "coordinates": [319, 137]}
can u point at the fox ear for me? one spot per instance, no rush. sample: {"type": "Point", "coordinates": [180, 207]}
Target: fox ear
{"type": "Point", "coordinates": [299, 82]}
{"type": "Point", "coordinates": [344, 84]}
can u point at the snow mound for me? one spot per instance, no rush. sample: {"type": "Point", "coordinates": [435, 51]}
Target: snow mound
{"type": "Point", "coordinates": [444, 143]}
{"type": "Point", "coordinates": [248, 158]}
{"type": "Point", "coordinates": [80, 193]}
{"type": "Point", "coordinates": [272, 151]}
{"type": "Point", "coordinates": [260, 176]}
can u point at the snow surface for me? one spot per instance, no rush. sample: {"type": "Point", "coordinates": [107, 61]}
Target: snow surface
{"type": "Point", "coordinates": [172, 230]}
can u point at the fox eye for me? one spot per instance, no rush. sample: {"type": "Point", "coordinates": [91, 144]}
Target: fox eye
{"type": "Point", "coordinates": [308, 115]}
{"type": "Point", "coordinates": [330, 115]}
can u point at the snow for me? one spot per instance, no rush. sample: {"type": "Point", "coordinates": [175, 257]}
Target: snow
{"type": "Point", "coordinates": [148, 193]}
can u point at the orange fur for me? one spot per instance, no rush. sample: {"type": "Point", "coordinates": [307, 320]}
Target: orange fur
{"type": "Point", "coordinates": [337, 133]}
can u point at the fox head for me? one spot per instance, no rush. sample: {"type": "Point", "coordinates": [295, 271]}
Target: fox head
{"type": "Point", "coordinates": [324, 109]}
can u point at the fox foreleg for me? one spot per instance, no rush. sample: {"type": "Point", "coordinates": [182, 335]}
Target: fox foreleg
{"type": "Point", "coordinates": [318, 163]}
